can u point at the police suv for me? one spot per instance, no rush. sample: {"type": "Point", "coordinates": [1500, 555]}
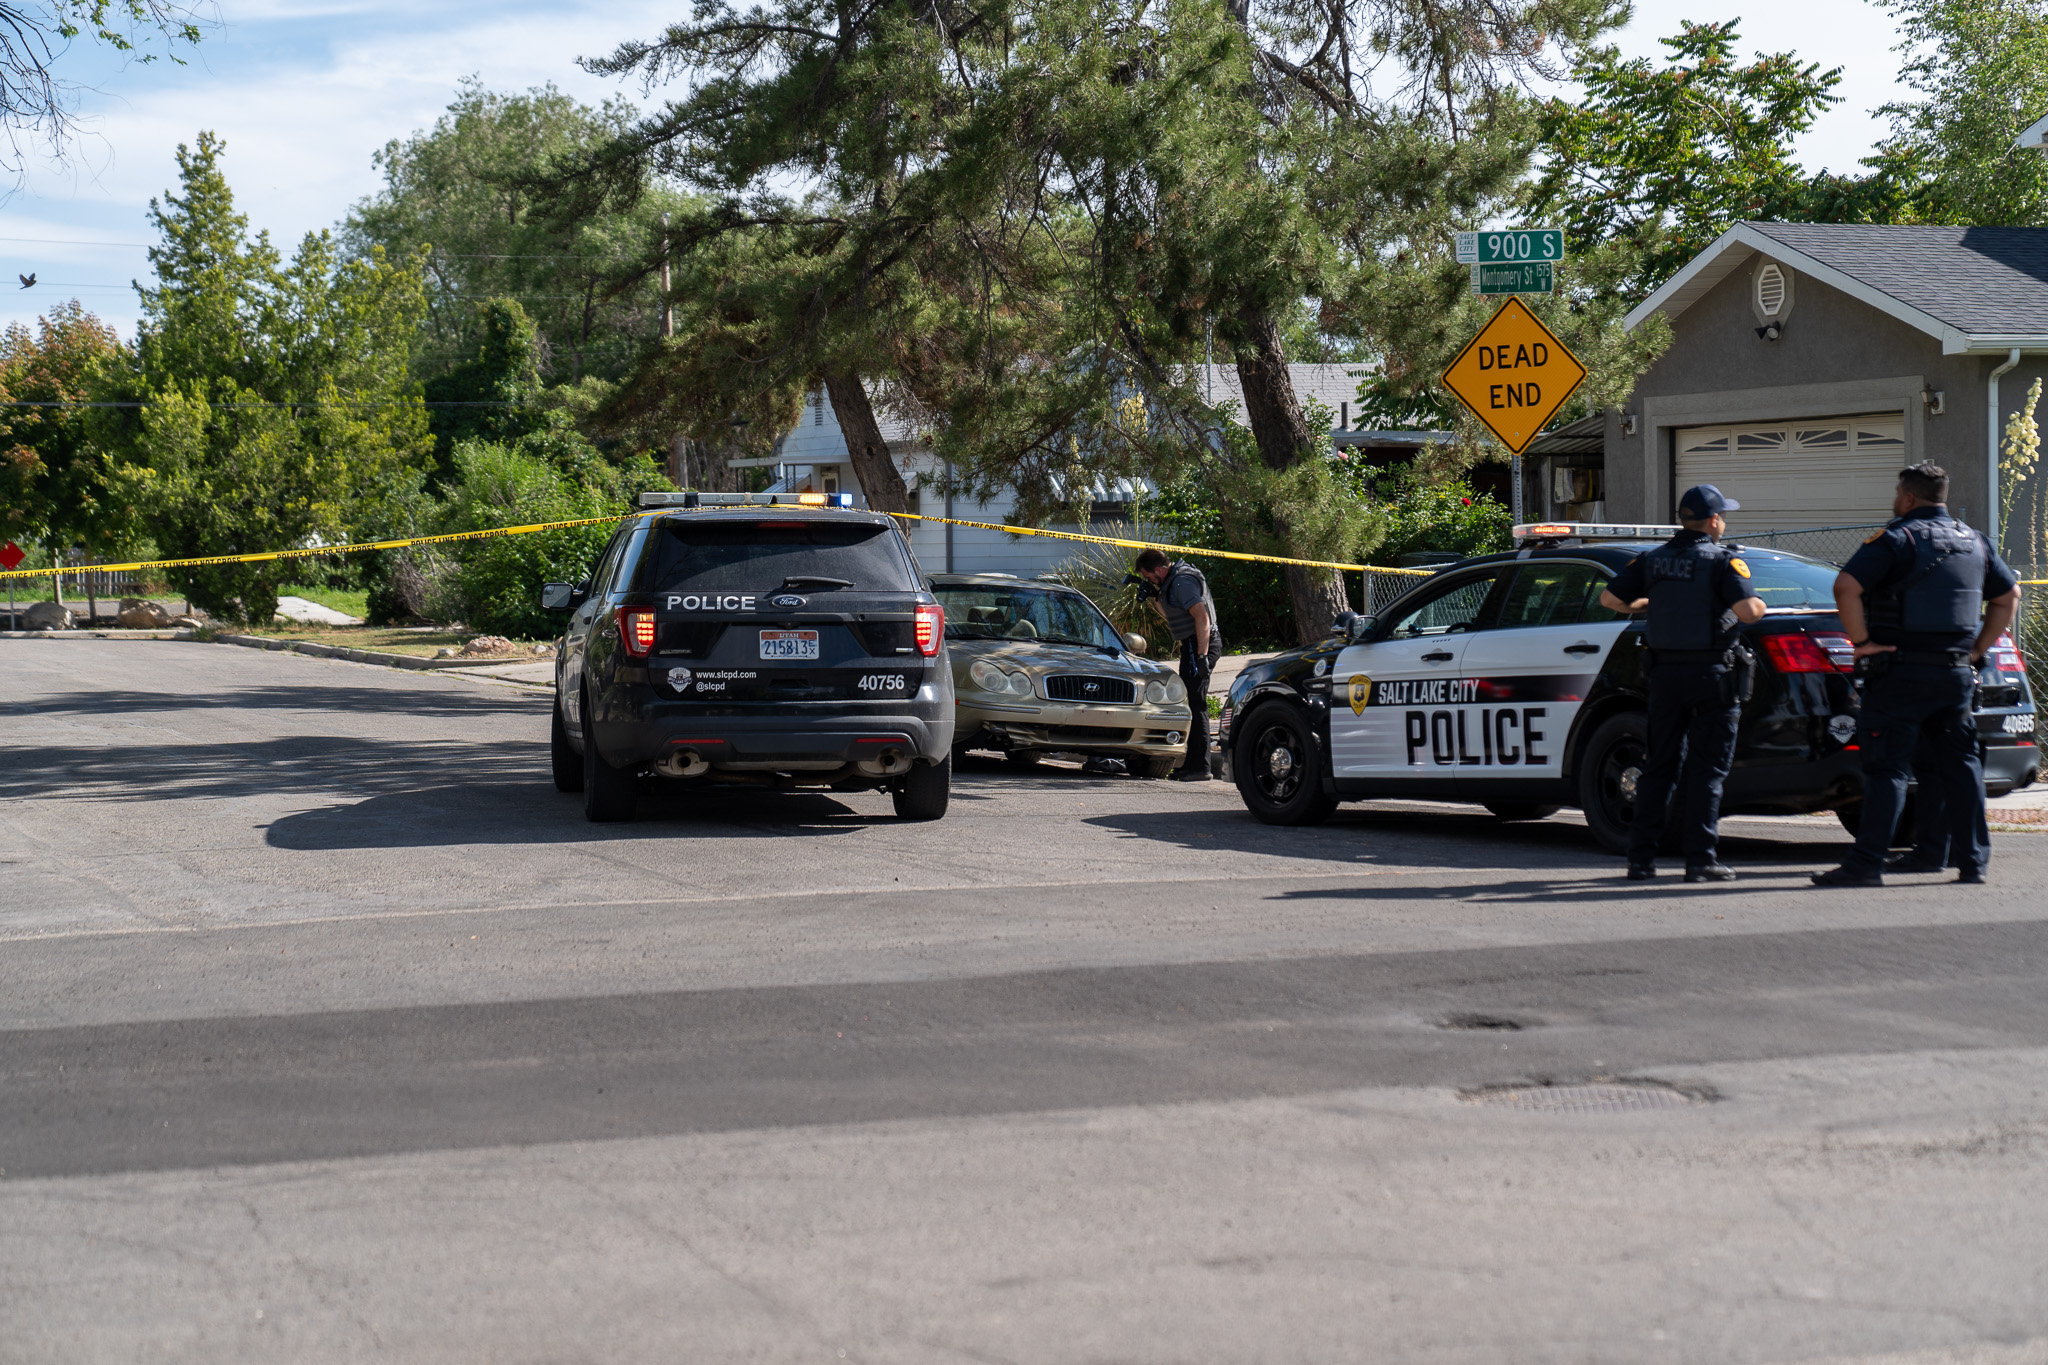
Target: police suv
{"type": "Point", "coordinates": [1503, 681]}
{"type": "Point", "coordinates": [765, 640]}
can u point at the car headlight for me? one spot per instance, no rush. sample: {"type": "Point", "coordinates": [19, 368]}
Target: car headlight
{"type": "Point", "coordinates": [1155, 692]}
{"type": "Point", "coordinates": [987, 676]}
{"type": "Point", "coordinates": [1176, 690]}
{"type": "Point", "coordinates": [1020, 684]}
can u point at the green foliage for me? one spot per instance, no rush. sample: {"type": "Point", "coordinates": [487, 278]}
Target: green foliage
{"type": "Point", "coordinates": [494, 584]}
{"type": "Point", "coordinates": [458, 194]}
{"type": "Point", "coordinates": [276, 402]}
{"type": "Point", "coordinates": [53, 475]}
{"type": "Point", "coordinates": [1665, 158]}
{"type": "Point", "coordinates": [1445, 516]}
{"type": "Point", "coordinates": [1980, 71]}
{"type": "Point", "coordinates": [498, 386]}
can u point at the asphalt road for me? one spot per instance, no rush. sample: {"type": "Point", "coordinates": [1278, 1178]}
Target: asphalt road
{"type": "Point", "coordinates": [330, 1032]}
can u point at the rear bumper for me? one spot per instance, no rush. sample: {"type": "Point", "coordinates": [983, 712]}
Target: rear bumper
{"type": "Point", "coordinates": [810, 734]}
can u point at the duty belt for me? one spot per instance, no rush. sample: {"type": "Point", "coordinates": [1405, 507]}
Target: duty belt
{"type": "Point", "coordinates": [1932, 658]}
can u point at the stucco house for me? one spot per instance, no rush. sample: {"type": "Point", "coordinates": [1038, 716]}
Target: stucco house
{"type": "Point", "coordinates": [1808, 364]}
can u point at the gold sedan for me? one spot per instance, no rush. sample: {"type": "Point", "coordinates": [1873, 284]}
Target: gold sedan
{"type": "Point", "coordinates": [1038, 669]}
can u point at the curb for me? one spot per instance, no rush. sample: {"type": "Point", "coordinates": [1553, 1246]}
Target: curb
{"type": "Point", "coordinates": [106, 633]}
{"type": "Point", "coordinates": [372, 656]}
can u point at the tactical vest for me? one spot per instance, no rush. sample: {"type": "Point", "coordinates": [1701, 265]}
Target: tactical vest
{"type": "Point", "coordinates": [1684, 612]}
{"type": "Point", "coordinates": [1943, 592]}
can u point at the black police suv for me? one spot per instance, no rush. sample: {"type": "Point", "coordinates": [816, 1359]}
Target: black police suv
{"type": "Point", "coordinates": [1501, 680]}
{"type": "Point", "coordinates": [765, 640]}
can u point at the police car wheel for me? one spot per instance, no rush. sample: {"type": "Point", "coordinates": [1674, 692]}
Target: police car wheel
{"type": "Point", "coordinates": [609, 793]}
{"type": "Point", "coordinates": [1277, 770]}
{"type": "Point", "coordinates": [1608, 773]}
{"type": "Point", "coordinates": [924, 792]}
{"type": "Point", "coordinates": [1521, 810]}
{"type": "Point", "coordinates": [568, 764]}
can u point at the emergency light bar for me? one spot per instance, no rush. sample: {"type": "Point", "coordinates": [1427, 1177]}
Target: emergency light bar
{"type": "Point", "coordinates": [1590, 530]}
{"type": "Point", "coordinates": [691, 498]}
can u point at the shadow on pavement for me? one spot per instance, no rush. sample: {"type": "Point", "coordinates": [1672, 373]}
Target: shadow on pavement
{"type": "Point", "coordinates": [284, 1087]}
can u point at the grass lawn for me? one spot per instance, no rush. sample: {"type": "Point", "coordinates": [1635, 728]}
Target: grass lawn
{"type": "Point", "coordinates": [354, 601]}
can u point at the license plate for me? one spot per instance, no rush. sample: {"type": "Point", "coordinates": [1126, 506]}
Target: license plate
{"type": "Point", "coordinates": [789, 644]}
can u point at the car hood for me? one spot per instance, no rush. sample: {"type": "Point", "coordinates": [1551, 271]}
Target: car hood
{"type": "Point", "coordinates": [1029, 656]}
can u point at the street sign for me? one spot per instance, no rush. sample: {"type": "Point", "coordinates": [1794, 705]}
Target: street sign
{"type": "Point", "coordinates": [11, 555]}
{"type": "Point", "coordinates": [1537, 277]}
{"type": "Point", "coordinates": [1514, 375]}
{"type": "Point", "coordinates": [1504, 245]}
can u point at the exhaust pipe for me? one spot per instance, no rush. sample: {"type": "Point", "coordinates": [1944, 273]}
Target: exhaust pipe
{"type": "Point", "coordinates": [682, 763]}
{"type": "Point", "coordinates": [888, 763]}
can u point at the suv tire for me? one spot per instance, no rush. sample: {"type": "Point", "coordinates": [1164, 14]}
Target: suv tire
{"type": "Point", "coordinates": [1154, 769]}
{"type": "Point", "coordinates": [609, 794]}
{"type": "Point", "coordinates": [1277, 772]}
{"type": "Point", "coordinates": [923, 792]}
{"type": "Point", "coordinates": [568, 764]}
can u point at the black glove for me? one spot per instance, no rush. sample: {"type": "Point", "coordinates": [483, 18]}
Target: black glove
{"type": "Point", "coordinates": [1197, 664]}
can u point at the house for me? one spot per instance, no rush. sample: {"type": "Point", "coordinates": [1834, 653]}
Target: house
{"type": "Point", "coordinates": [812, 457]}
{"type": "Point", "coordinates": [1809, 363]}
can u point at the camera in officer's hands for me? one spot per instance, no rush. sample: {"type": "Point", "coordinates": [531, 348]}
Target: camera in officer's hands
{"type": "Point", "coordinates": [1147, 589]}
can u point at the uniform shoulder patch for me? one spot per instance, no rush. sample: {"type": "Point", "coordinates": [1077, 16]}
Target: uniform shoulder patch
{"type": "Point", "coordinates": [1736, 564]}
{"type": "Point", "coordinates": [1873, 537]}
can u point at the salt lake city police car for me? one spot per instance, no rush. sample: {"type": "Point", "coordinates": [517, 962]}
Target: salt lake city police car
{"type": "Point", "coordinates": [765, 640]}
{"type": "Point", "coordinates": [1502, 681]}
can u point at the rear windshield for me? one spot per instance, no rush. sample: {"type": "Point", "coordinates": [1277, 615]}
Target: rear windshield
{"type": "Point", "coordinates": [761, 556]}
{"type": "Point", "coordinates": [1789, 582]}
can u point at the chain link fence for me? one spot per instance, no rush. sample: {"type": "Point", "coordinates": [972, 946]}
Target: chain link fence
{"type": "Point", "coordinates": [1833, 543]}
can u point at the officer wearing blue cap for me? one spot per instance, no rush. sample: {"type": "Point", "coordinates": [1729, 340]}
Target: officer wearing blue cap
{"type": "Point", "coordinates": [1922, 601]}
{"type": "Point", "coordinates": [1697, 593]}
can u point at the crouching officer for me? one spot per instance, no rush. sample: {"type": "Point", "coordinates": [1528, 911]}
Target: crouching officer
{"type": "Point", "coordinates": [1697, 593]}
{"type": "Point", "coordinates": [1922, 601]}
{"type": "Point", "coordinates": [1183, 599]}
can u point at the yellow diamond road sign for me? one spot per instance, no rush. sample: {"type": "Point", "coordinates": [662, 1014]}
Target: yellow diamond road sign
{"type": "Point", "coordinates": [1515, 375]}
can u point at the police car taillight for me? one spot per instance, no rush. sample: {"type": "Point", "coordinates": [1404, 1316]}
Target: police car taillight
{"type": "Point", "coordinates": [2004, 655]}
{"type": "Point", "coordinates": [636, 630]}
{"type": "Point", "coordinates": [931, 628]}
{"type": "Point", "coordinates": [1798, 654]}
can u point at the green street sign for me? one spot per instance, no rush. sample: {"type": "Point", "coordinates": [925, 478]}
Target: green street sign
{"type": "Point", "coordinates": [1510, 244]}
{"type": "Point", "coordinates": [1537, 277]}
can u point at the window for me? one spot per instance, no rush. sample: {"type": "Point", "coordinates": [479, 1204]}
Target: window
{"type": "Point", "coordinates": [1453, 607]}
{"type": "Point", "coordinates": [1555, 595]}
{"type": "Point", "coordinates": [1788, 582]}
{"type": "Point", "coordinates": [1004, 613]}
{"type": "Point", "coordinates": [757, 556]}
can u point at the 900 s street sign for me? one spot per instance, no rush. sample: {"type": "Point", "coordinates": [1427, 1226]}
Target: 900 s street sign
{"type": "Point", "coordinates": [1505, 245]}
{"type": "Point", "coordinates": [1514, 375]}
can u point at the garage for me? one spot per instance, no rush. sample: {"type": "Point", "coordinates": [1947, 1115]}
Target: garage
{"type": "Point", "coordinates": [1835, 471]}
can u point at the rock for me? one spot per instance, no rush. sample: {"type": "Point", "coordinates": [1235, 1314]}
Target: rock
{"type": "Point", "coordinates": [137, 614]}
{"type": "Point", "coordinates": [187, 622]}
{"type": "Point", "coordinates": [46, 616]}
{"type": "Point", "coordinates": [488, 645]}
{"type": "Point", "coordinates": [544, 651]}
{"type": "Point", "coordinates": [446, 652]}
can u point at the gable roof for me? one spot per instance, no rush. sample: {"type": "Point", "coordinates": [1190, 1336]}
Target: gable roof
{"type": "Point", "coordinates": [1334, 386]}
{"type": "Point", "coordinates": [1971, 288]}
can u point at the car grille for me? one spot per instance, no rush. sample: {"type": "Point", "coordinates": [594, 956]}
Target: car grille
{"type": "Point", "coordinates": [1084, 687]}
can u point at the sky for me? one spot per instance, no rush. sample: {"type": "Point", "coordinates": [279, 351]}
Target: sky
{"type": "Point", "coordinates": [305, 93]}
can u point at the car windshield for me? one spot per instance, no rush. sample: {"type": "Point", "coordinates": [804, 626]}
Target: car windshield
{"type": "Point", "coordinates": [1789, 583]}
{"type": "Point", "coordinates": [760, 556]}
{"type": "Point", "coordinates": [1046, 615]}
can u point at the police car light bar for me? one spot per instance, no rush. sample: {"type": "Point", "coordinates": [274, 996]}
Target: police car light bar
{"type": "Point", "coordinates": [695, 499]}
{"type": "Point", "coordinates": [1590, 530]}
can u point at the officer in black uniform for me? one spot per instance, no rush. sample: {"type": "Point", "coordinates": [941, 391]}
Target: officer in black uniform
{"type": "Point", "coordinates": [1922, 601]}
{"type": "Point", "coordinates": [1697, 593]}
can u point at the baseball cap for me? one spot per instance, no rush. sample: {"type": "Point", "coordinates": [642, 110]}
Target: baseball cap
{"type": "Point", "coordinates": [1704, 500]}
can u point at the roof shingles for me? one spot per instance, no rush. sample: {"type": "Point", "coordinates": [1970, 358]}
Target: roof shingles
{"type": "Point", "coordinates": [1980, 280]}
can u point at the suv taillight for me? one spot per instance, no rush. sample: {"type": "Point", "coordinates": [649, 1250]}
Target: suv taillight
{"type": "Point", "coordinates": [931, 628]}
{"type": "Point", "coordinates": [1800, 654]}
{"type": "Point", "coordinates": [636, 630]}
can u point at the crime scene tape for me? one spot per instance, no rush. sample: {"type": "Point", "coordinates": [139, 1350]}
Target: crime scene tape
{"type": "Point", "coordinates": [359, 547]}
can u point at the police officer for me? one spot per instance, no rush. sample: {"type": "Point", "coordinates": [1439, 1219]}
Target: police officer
{"type": "Point", "coordinates": [1922, 601]}
{"type": "Point", "coordinates": [1697, 593]}
{"type": "Point", "coordinates": [1190, 614]}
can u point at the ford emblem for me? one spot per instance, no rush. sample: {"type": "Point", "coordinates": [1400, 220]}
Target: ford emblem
{"type": "Point", "coordinates": [786, 601]}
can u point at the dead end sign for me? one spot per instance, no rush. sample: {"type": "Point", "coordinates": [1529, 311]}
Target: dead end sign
{"type": "Point", "coordinates": [1514, 375]}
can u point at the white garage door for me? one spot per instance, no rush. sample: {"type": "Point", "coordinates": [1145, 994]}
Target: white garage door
{"type": "Point", "coordinates": [1788, 475]}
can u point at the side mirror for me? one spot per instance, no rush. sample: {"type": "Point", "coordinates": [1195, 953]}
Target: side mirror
{"type": "Point", "coordinates": [1363, 626]}
{"type": "Point", "coordinates": [1343, 623]}
{"type": "Point", "coordinates": [558, 597]}
{"type": "Point", "coordinates": [1134, 642]}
